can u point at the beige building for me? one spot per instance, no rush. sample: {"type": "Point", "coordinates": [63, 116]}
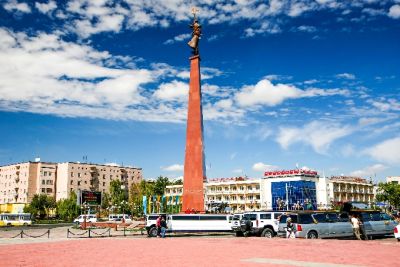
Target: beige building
{"type": "Point", "coordinates": [20, 182]}
{"type": "Point", "coordinates": [393, 179]}
{"type": "Point", "coordinates": [240, 194]}
{"type": "Point", "coordinates": [73, 176]}
{"type": "Point", "coordinates": [345, 188]}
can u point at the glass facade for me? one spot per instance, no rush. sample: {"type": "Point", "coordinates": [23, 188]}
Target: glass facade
{"type": "Point", "coordinates": [301, 192]}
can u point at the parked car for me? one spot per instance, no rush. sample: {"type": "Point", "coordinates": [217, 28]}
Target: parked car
{"type": "Point", "coordinates": [89, 218]}
{"type": "Point", "coordinates": [119, 217]}
{"type": "Point", "coordinates": [397, 232]}
{"type": "Point", "coordinates": [333, 224]}
{"type": "Point", "coordinates": [263, 223]}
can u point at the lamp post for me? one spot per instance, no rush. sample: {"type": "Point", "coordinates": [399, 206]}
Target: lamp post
{"type": "Point", "coordinates": [123, 203]}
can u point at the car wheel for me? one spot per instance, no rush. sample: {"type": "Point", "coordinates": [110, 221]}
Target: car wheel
{"type": "Point", "coordinates": [312, 235]}
{"type": "Point", "coordinates": [153, 232]}
{"type": "Point", "coordinates": [398, 239]}
{"type": "Point", "coordinates": [238, 234]}
{"type": "Point", "coordinates": [268, 233]}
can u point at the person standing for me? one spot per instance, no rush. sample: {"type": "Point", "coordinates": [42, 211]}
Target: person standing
{"type": "Point", "coordinates": [355, 223]}
{"type": "Point", "coordinates": [158, 225]}
{"type": "Point", "coordinates": [363, 231]}
{"type": "Point", "coordinates": [290, 228]}
{"type": "Point", "coordinates": [163, 225]}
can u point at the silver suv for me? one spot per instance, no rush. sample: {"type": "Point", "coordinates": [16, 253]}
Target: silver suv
{"type": "Point", "coordinates": [333, 224]}
{"type": "Point", "coordinates": [263, 223]}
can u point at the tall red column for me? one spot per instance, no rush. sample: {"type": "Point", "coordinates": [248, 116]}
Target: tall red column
{"type": "Point", "coordinates": [194, 173]}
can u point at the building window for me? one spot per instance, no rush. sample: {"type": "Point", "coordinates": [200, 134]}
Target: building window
{"type": "Point", "coordinates": [43, 190]}
{"type": "Point", "coordinates": [104, 183]}
{"type": "Point", "coordinates": [72, 174]}
{"type": "Point", "coordinates": [79, 182]}
{"type": "Point", "coordinates": [79, 174]}
{"type": "Point", "coordinates": [49, 190]}
{"type": "Point", "coordinates": [43, 182]}
{"type": "Point", "coordinates": [72, 182]}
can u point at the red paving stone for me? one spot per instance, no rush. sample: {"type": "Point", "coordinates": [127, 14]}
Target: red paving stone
{"type": "Point", "coordinates": [197, 252]}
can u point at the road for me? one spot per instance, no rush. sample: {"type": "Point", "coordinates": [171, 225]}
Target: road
{"type": "Point", "coordinates": [195, 250]}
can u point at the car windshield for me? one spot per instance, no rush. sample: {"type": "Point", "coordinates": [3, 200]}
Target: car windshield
{"type": "Point", "coordinates": [236, 217]}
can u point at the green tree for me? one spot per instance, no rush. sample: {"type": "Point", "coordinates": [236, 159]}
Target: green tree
{"type": "Point", "coordinates": [160, 184]}
{"type": "Point", "coordinates": [40, 205]}
{"type": "Point", "coordinates": [106, 199]}
{"type": "Point", "coordinates": [136, 199]}
{"type": "Point", "coordinates": [177, 182]}
{"type": "Point", "coordinates": [68, 209]}
{"type": "Point", "coordinates": [117, 195]}
{"type": "Point", "coordinates": [390, 193]}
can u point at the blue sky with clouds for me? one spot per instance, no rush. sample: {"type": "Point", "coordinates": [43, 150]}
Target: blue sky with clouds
{"type": "Point", "coordinates": [313, 83]}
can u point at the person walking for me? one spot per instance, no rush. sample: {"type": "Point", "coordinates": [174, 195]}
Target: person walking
{"type": "Point", "coordinates": [163, 225]}
{"type": "Point", "coordinates": [158, 225]}
{"type": "Point", "coordinates": [355, 223]}
{"type": "Point", "coordinates": [290, 228]}
{"type": "Point", "coordinates": [363, 232]}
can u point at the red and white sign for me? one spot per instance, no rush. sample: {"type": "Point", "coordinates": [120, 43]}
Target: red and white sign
{"type": "Point", "coordinates": [290, 173]}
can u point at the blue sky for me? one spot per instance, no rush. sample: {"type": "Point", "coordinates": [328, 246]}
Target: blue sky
{"type": "Point", "coordinates": [313, 83]}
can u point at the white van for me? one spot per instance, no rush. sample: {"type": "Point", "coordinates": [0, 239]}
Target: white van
{"type": "Point", "coordinates": [119, 217]}
{"type": "Point", "coordinates": [89, 218]}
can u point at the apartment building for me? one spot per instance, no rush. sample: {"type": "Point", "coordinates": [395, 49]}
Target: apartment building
{"type": "Point", "coordinates": [240, 194]}
{"type": "Point", "coordinates": [20, 182]}
{"type": "Point", "coordinates": [347, 188]}
{"type": "Point", "coordinates": [393, 179]}
{"type": "Point", "coordinates": [74, 176]}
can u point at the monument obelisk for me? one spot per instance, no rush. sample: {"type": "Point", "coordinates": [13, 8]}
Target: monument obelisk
{"type": "Point", "coordinates": [194, 170]}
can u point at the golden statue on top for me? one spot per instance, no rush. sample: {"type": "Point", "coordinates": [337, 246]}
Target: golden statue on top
{"type": "Point", "coordinates": [196, 32]}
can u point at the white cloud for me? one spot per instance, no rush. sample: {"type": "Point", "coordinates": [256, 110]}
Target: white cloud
{"type": "Point", "coordinates": [385, 104]}
{"type": "Point", "coordinates": [92, 17]}
{"type": "Point", "coordinates": [369, 170]}
{"type": "Point", "coordinates": [345, 75]}
{"type": "Point", "coordinates": [348, 150]}
{"type": "Point", "coordinates": [306, 28]}
{"type": "Point", "coordinates": [174, 90]}
{"type": "Point", "coordinates": [394, 12]}
{"type": "Point", "coordinates": [266, 93]}
{"type": "Point", "coordinates": [14, 5]}
{"type": "Point", "coordinates": [265, 27]}
{"type": "Point", "coordinates": [173, 168]}
{"type": "Point", "coordinates": [386, 151]}
{"type": "Point", "coordinates": [178, 38]}
{"type": "Point", "coordinates": [319, 135]}
{"type": "Point", "coordinates": [262, 167]}
{"type": "Point", "coordinates": [46, 7]}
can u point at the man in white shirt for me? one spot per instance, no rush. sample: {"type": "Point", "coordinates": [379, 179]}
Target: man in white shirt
{"type": "Point", "coordinates": [356, 226]}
